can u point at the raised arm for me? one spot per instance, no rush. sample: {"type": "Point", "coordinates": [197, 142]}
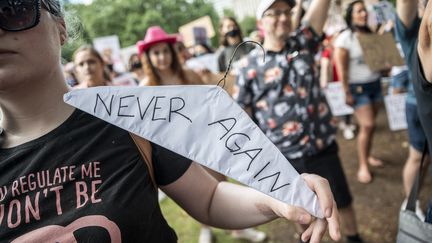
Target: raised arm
{"type": "Point", "coordinates": [424, 42]}
{"type": "Point", "coordinates": [407, 11]}
{"type": "Point", "coordinates": [231, 206]}
{"type": "Point", "coordinates": [296, 17]}
{"type": "Point", "coordinates": [316, 15]}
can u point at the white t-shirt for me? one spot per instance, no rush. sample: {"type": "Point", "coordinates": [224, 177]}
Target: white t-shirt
{"type": "Point", "coordinates": [359, 72]}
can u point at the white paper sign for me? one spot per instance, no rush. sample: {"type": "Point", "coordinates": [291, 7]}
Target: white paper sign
{"type": "Point", "coordinates": [395, 107]}
{"type": "Point", "coordinates": [125, 79]}
{"type": "Point", "coordinates": [207, 61]}
{"type": "Point", "coordinates": [335, 95]}
{"type": "Point", "coordinates": [202, 123]}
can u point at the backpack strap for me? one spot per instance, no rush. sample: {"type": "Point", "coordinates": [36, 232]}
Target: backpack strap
{"type": "Point", "coordinates": [145, 150]}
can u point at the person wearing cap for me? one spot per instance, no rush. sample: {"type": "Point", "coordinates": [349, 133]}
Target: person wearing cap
{"type": "Point", "coordinates": [160, 61]}
{"type": "Point", "coordinates": [283, 96]}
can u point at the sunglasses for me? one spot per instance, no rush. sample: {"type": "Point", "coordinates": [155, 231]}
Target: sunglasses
{"type": "Point", "coordinates": [18, 15]}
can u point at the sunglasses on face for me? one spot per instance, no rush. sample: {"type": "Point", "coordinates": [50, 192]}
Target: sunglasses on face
{"type": "Point", "coordinates": [18, 15]}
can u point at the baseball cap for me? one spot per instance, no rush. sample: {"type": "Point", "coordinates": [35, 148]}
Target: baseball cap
{"type": "Point", "coordinates": [266, 4]}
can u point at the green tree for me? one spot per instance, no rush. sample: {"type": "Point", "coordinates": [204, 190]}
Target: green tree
{"type": "Point", "coordinates": [129, 19]}
{"type": "Point", "coordinates": [248, 24]}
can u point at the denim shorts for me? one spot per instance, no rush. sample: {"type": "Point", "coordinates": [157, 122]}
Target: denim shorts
{"type": "Point", "coordinates": [400, 80]}
{"type": "Point", "coordinates": [366, 93]}
{"type": "Point", "coordinates": [416, 134]}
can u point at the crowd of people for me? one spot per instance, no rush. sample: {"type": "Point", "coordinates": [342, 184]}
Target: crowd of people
{"type": "Point", "coordinates": [284, 96]}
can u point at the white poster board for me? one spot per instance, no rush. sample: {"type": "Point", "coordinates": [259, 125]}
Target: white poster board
{"type": "Point", "coordinates": [202, 123]}
{"type": "Point", "coordinates": [395, 107]}
{"type": "Point", "coordinates": [207, 61]}
{"type": "Point", "coordinates": [125, 79]}
{"type": "Point", "coordinates": [126, 52]}
{"type": "Point", "coordinates": [335, 96]}
{"type": "Point", "coordinates": [109, 48]}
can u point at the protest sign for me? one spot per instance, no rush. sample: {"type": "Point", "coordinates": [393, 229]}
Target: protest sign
{"type": "Point", "coordinates": [197, 31]}
{"type": "Point", "coordinates": [202, 123]}
{"type": "Point", "coordinates": [335, 96]}
{"type": "Point", "coordinates": [126, 52]}
{"type": "Point", "coordinates": [384, 12]}
{"type": "Point", "coordinates": [380, 51]}
{"type": "Point", "coordinates": [395, 107]}
{"type": "Point", "coordinates": [109, 48]}
{"type": "Point", "coordinates": [125, 79]}
{"type": "Point", "coordinates": [204, 62]}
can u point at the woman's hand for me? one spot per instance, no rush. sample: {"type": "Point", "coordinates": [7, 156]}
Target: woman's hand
{"type": "Point", "coordinates": [317, 227]}
{"type": "Point", "coordinates": [349, 100]}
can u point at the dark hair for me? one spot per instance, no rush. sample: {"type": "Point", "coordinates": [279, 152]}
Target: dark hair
{"type": "Point", "coordinates": [348, 17]}
{"type": "Point", "coordinates": [223, 40]}
{"type": "Point", "coordinates": [133, 64]}
{"type": "Point", "coordinates": [151, 72]}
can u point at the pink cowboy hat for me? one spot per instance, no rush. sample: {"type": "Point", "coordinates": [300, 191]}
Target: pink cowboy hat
{"type": "Point", "coordinates": [154, 35]}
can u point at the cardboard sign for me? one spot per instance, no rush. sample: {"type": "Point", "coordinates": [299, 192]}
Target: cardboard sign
{"type": "Point", "coordinates": [380, 51]}
{"type": "Point", "coordinates": [202, 123]}
{"type": "Point", "coordinates": [194, 31]}
{"type": "Point", "coordinates": [395, 107]}
{"type": "Point", "coordinates": [335, 95]}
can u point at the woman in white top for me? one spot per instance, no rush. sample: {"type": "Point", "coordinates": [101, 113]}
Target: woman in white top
{"type": "Point", "coordinates": [362, 85]}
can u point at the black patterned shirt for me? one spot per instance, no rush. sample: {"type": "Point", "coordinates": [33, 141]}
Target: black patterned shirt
{"type": "Point", "coordinates": [285, 97]}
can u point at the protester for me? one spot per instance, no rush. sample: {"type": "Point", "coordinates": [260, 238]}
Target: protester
{"type": "Point", "coordinates": [422, 79]}
{"type": "Point", "coordinates": [230, 36]}
{"type": "Point", "coordinates": [160, 62]}
{"type": "Point", "coordinates": [135, 67]}
{"type": "Point", "coordinates": [284, 98]}
{"type": "Point", "coordinates": [362, 86]}
{"type": "Point", "coordinates": [89, 68]}
{"type": "Point", "coordinates": [69, 73]}
{"type": "Point", "coordinates": [182, 52]}
{"type": "Point", "coordinates": [42, 134]}
{"type": "Point", "coordinates": [155, 40]}
{"type": "Point", "coordinates": [407, 30]}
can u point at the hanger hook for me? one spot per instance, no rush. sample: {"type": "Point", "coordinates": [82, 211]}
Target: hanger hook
{"type": "Point", "coordinates": [232, 58]}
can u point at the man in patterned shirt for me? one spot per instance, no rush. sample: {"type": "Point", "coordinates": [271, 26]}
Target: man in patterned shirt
{"type": "Point", "coordinates": [283, 96]}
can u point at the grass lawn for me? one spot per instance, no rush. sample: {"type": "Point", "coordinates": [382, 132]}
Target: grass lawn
{"type": "Point", "coordinates": [187, 228]}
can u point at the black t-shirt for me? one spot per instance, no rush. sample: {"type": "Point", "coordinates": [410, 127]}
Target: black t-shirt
{"type": "Point", "coordinates": [423, 92]}
{"type": "Point", "coordinates": [85, 180]}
